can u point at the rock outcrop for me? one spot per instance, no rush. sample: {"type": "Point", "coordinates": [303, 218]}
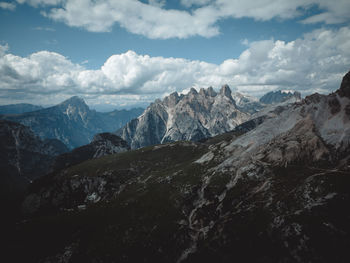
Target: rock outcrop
{"type": "Point", "coordinates": [101, 145]}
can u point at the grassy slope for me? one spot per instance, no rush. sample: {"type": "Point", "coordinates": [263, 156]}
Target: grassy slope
{"type": "Point", "coordinates": [144, 217]}
{"type": "Point", "coordinates": [144, 223]}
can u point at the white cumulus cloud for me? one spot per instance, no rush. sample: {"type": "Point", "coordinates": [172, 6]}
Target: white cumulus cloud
{"type": "Point", "coordinates": [153, 20]}
{"type": "Point", "coordinates": [8, 6]}
{"type": "Point", "coordinates": [314, 63]}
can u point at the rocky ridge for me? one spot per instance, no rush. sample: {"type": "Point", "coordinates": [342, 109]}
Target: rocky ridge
{"type": "Point", "coordinates": [193, 116]}
{"type": "Point", "coordinates": [279, 96]}
{"type": "Point", "coordinates": [102, 144]}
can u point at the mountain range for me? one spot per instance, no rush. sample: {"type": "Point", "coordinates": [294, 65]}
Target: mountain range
{"type": "Point", "coordinates": [18, 108]}
{"type": "Point", "coordinates": [72, 122]}
{"type": "Point", "coordinates": [278, 96]}
{"type": "Point", "coordinates": [273, 189]}
{"type": "Point", "coordinates": [195, 116]}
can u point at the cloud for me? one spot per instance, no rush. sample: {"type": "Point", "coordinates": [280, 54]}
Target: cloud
{"type": "Point", "coordinates": [189, 3]}
{"type": "Point", "coordinates": [159, 3]}
{"type": "Point", "coordinates": [41, 3]}
{"type": "Point", "coordinates": [139, 18]}
{"type": "Point", "coordinates": [314, 63]}
{"type": "Point", "coordinates": [40, 28]}
{"type": "Point", "coordinates": [152, 20]}
{"type": "Point", "coordinates": [3, 49]}
{"type": "Point", "coordinates": [334, 12]}
{"type": "Point", "coordinates": [8, 6]}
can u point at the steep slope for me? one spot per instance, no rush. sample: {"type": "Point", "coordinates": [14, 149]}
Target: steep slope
{"type": "Point", "coordinates": [102, 144]}
{"type": "Point", "coordinates": [184, 117]}
{"type": "Point", "coordinates": [23, 153]}
{"type": "Point", "coordinates": [18, 108]}
{"type": "Point", "coordinates": [277, 193]}
{"type": "Point", "coordinates": [72, 122]}
{"type": "Point", "coordinates": [23, 157]}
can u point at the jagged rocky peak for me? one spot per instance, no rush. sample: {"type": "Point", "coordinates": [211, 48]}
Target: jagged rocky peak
{"type": "Point", "coordinates": [172, 99]}
{"type": "Point", "coordinates": [207, 92]}
{"type": "Point", "coordinates": [226, 91]}
{"type": "Point", "coordinates": [211, 92]}
{"type": "Point", "coordinates": [193, 91]}
{"type": "Point", "coordinates": [344, 90]}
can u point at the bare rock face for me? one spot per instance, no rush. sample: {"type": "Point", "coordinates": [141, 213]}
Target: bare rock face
{"type": "Point", "coordinates": [101, 145]}
{"type": "Point", "coordinates": [345, 86]}
{"type": "Point", "coordinates": [334, 104]}
{"type": "Point", "coordinates": [194, 116]}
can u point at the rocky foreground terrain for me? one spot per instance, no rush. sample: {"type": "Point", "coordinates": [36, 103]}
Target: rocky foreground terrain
{"type": "Point", "coordinates": [25, 157]}
{"type": "Point", "coordinates": [276, 190]}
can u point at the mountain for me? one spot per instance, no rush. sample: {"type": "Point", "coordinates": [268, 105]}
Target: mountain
{"type": "Point", "coordinates": [193, 116]}
{"type": "Point", "coordinates": [246, 103]}
{"type": "Point", "coordinates": [72, 122]}
{"type": "Point", "coordinates": [102, 144]}
{"type": "Point", "coordinates": [23, 153]}
{"type": "Point", "coordinates": [279, 96]}
{"type": "Point", "coordinates": [24, 157]}
{"type": "Point", "coordinates": [274, 192]}
{"type": "Point", "coordinates": [18, 108]}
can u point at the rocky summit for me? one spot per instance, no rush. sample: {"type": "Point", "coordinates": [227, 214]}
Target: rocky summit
{"type": "Point", "coordinates": [193, 116]}
{"type": "Point", "coordinates": [275, 190]}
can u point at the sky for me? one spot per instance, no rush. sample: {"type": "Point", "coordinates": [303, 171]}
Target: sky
{"type": "Point", "coordinates": [127, 53]}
